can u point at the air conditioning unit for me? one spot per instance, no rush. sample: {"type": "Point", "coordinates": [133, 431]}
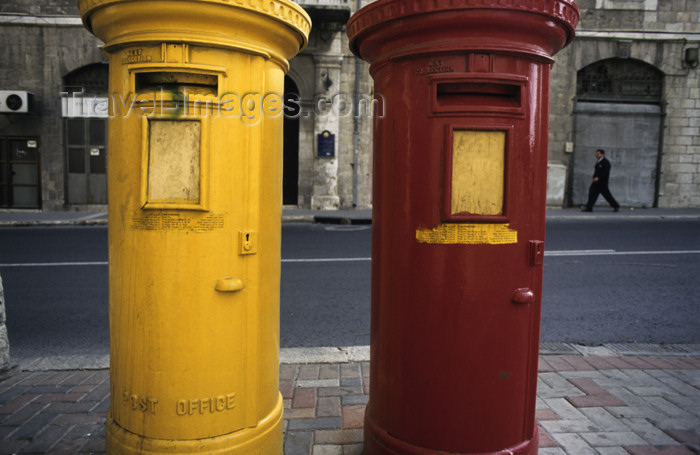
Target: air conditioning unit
{"type": "Point", "coordinates": [16, 102]}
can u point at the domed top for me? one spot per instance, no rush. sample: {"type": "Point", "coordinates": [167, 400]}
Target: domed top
{"type": "Point", "coordinates": [278, 24]}
{"type": "Point", "coordinates": [533, 26]}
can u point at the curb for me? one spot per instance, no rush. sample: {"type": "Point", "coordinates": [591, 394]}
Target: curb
{"type": "Point", "coordinates": [354, 354]}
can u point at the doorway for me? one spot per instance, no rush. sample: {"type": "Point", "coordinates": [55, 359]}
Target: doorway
{"type": "Point", "coordinates": [290, 163]}
{"type": "Point", "coordinates": [84, 109]}
{"type": "Point", "coordinates": [20, 173]}
{"type": "Point", "coordinates": [618, 109]}
{"type": "Point", "coordinates": [87, 160]}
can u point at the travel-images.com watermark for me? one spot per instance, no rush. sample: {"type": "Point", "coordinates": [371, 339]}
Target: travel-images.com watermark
{"type": "Point", "coordinates": [249, 108]}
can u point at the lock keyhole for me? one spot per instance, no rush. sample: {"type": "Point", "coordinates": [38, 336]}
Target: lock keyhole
{"type": "Point", "coordinates": [248, 242]}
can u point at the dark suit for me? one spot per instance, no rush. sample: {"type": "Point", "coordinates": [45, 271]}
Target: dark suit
{"type": "Point", "coordinates": [602, 173]}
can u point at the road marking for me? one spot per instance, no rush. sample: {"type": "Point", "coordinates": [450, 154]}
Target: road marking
{"type": "Point", "coordinates": [558, 253]}
{"type": "Point", "coordinates": [52, 264]}
{"type": "Point", "coordinates": [615, 253]}
{"type": "Point", "coordinates": [327, 260]}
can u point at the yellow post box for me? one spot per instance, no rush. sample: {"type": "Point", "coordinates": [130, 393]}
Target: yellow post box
{"type": "Point", "coordinates": [195, 198]}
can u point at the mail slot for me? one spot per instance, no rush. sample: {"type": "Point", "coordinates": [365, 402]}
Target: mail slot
{"type": "Point", "coordinates": [460, 165]}
{"type": "Point", "coordinates": [459, 95]}
{"type": "Point", "coordinates": [195, 100]}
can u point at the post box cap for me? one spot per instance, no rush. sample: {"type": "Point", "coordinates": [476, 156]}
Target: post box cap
{"type": "Point", "coordinates": [273, 25]}
{"type": "Point", "coordinates": [390, 28]}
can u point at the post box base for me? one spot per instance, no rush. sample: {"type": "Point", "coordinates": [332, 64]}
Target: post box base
{"type": "Point", "coordinates": [379, 442]}
{"type": "Point", "coordinates": [264, 439]}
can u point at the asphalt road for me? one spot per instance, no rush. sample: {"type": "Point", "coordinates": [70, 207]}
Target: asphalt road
{"type": "Point", "coordinates": [604, 281]}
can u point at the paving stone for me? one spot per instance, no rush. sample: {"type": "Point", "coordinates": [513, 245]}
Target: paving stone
{"type": "Point", "coordinates": [59, 397]}
{"type": "Point", "coordinates": [556, 380]}
{"type": "Point", "coordinates": [640, 412]}
{"type": "Point", "coordinates": [687, 438]}
{"type": "Point", "coordinates": [610, 439]}
{"type": "Point", "coordinates": [569, 426]}
{"type": "Point", "coordinates": [353, 449]}
{"type": "Point", "coordinates": [307, 383]}
{"type": "Point", "coordinates": [11, 394]}
{"type": "Point", "coordinates": [350, 382]}
{"type": "Point", "coordinates": [80, 419]}
{"type": "Point", "coordinates": [683, 388]}
{"type": "Point", "coordinates": [12, 447]}
{"type": "Point", "coordinates": [342, 437]}
{"type": "Point", "coordinates": [350, 370]}
{"type": "Point", "coordinates": [62, 407]}
{"type": "Point", "coordinates": [353, 416]}
{"type": "Point", "coordinates": [349, 400]}
{"type": "Point", "coordinates": [580, 363]}
{"type": "Point", "coordinates": [597, 374]}
{"type": "Point", "coordinates": [667, 407]}
{"type": "Point", "coordinates": [546, 414]}
{"type": "Point", "coordinates": [299, 413]}
{"type": "Point", "coordinates": [298, 442]}
{"type": "Point", "coordinates": [551, 451]}
{"type": "Point", "coordinates": [287, 388]}
{"type": "Point", "coordinates": [329, 371]}
{"type": "Point", "coordinates": [94, 445]}
{"type": "Point", "coordinates": [658, 450]}
{"type": "Point", "coordinates": [627, 397]}
{"type": "Point", "coordinates": [546, 440]}
{"type": "Point", "coordinates": [318, 423]}
{"type": "Point", "coordinates": [327, 450]}
{"type": "Point", "coordinates": [595, 400]}
{"type": "Point", "coordinates": [288, 372]}
{"type": "Point", "coordinates": [647, 431]}
{"type": "Point", "coordinates": [17, 403]}
{"type": "Point", "coordinates": [572, 443]}
{"type": "Point", "coordinates": [564, 409]}
{"type": "Point", "coordinates": [44, 440]}
{"type": "Point", "coordinates": [676, 423]}
{"type": "Point", "coordinates": [33, 426]}
{"type": "Point", "coordinates": [328, 407]}
{"type": "Point", "coordinates": [69, 446]}
{"type": "Point", "coordinates": [25, 414]}
{"type": "Point", "coordinates": [304, 398]}
{"type": "Point", "coordinates": [308, 372]}
{"type": "Point", "coordinates": [612, 451]}
{"type": "Point", "coordinates": [595, 405]}
{"type": "Point", "coordinates": [602, 418]}
{"type": "Point", "coordinates": [339, 391]}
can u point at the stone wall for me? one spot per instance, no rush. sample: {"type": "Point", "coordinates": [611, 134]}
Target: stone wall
{"type": "Point", "coordinates": [43, 40]}
{"type": "Point", "coordinates": [40, 7]}
{"type": "Point", "coordinates": [5, 363]}
{"type": "Point", "coordinates": [35, 58]}
{"type": "Point", "coordinates": [651, 31]}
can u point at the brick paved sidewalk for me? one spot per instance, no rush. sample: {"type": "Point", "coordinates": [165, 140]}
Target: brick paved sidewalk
{"type": "Point", "coordinates": [586, 405]}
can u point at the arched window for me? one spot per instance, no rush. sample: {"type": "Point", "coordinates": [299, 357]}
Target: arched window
{"type": "Point", "coordinates": [619, 80]}
{"type": "Point", "coordinates": [90, 79]}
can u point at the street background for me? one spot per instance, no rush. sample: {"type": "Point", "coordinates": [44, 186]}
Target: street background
{"type": "Point", "coordinates": [624, 277]}
{"type": "Point", "coordinates": [619, 370]}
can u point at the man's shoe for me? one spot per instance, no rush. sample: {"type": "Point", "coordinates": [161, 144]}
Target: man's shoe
{"type": "Point", "coordinates": [586, 210]}
{"type": "Point", "coordinates": [616, 209]}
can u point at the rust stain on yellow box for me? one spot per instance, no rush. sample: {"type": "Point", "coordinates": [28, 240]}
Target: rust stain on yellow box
{"type": "Point", "coordinates": [468, 234]}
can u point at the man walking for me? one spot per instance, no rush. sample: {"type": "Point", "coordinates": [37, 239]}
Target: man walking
{"type": "Point", "coordinates": [600, 183]}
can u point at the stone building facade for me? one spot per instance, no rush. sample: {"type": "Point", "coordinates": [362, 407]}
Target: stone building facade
{"type": "Point", "coordinates": [628, 84]}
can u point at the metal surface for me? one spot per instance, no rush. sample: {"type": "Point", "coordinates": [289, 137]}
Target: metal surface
{"type": "Point", "coordinates": [195, 178]}
{"type": "Point", "coordinates": [458, 223]}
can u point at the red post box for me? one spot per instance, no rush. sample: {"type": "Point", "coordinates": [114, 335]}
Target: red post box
{"type": "Point", "coordinates": [460, 156]}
